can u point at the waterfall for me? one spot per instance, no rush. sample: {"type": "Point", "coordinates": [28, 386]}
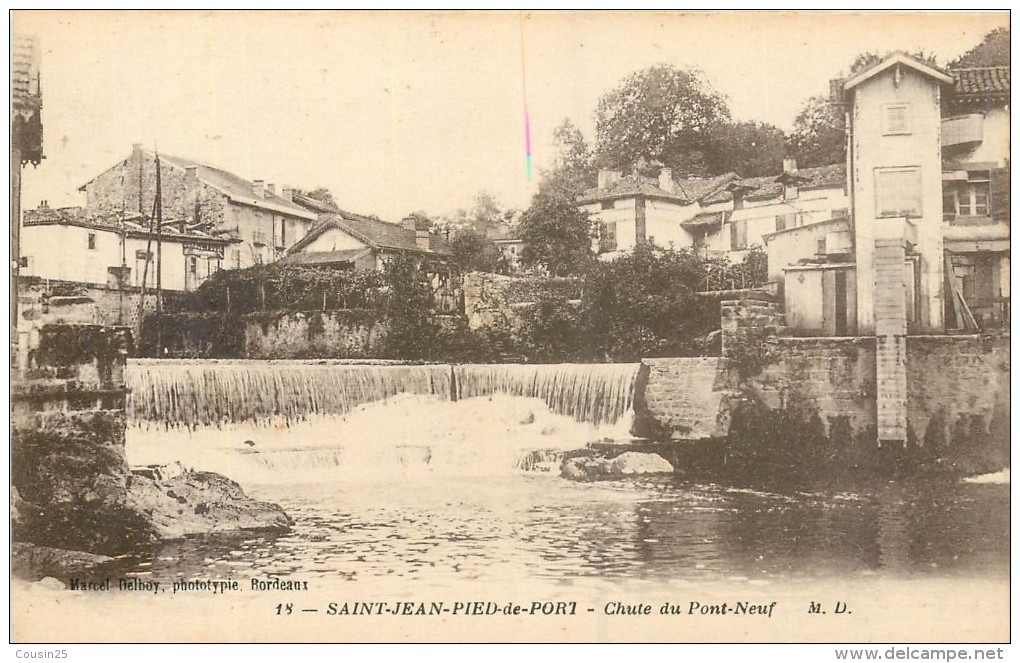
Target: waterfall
{"type": "Point", "coordinates": [204, 393]}
{"type": "Point", "coordinates": [294, 421]}
{"type": "Point", "coordinates": [194, 393]}
{"type": "Point", "coordinates": [593, 393]}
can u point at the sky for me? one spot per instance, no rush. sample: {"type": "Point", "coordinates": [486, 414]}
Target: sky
{"type": "Point", "coordinates": [397, 112]}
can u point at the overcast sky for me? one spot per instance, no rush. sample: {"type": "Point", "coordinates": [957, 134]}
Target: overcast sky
{"type": "Point", "coordinates": [397, 112]}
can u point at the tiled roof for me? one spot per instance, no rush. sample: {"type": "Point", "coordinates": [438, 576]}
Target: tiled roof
{"type": "Point", "coordinates": [374, 232]}
{"type": "Point", "coordinates": [705, 219]}
{"type": "Point", "coordinates": [763, 188]}
{"type": "Point", "coordinates": [133, 223]}
{"type": "Point", "coordinates": [981, 82]}
{"type": "Point", "coordinates": [238, 188]}
{"type": "Point", "coordinates": [324, 257]}
{"type": "Point", "coordinates": [687, 190]}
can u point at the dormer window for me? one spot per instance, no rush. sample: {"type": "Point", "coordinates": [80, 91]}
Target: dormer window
{"type": "Point", "coordinates": [895, 119]}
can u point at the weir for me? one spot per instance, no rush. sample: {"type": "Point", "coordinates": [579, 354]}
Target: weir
{"type": "Point", "coordinates": [210, 393]}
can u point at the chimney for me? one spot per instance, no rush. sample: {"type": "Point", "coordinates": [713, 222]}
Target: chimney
{"type": "Point", "coordinates": [408, 223]}
{"type": "Point", "coordinates": [608, 178]}
{"type": "Point", "coordinates": [421, 238]}
{"type": "Point", "coordinates": [287, 193]}
{"type": "Point", "coordinates": [258, 188]}
{"type": "Point", "coordinates": [191, 191]}
{"type": "Point", "coordinates": [666, 182]}
{"type": "Point", "coordinates": [136, 148]}
{"type": "Point", "coordinates": [789, 166]}
{"type": "Point", "coordinates": [271, 188]}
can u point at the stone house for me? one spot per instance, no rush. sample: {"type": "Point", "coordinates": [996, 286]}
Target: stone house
{"type": "Point", "coordinates": [718, 216]}
{"type": "Point", "coordinates": [633, 209]}
{"type": "Point", "coordinates": [262, 221]}
{"type": "Point", "coordinates": [110, 249]}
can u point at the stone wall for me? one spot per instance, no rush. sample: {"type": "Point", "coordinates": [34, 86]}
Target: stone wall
{"type": "Point", "coordinates": [749, 318]}
{"type": "Point", "coordinates": [835, 376]}
{"type": "Point", "coordinates": [686, 398]}
{"type": "Point", "coordinates": [494, 300]}
{"type": "Point", "coordinates": [958, 386]}
{"type": "Point", "coordinates": [344, 334]}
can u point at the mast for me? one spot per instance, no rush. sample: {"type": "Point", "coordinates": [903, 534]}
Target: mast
{"type": "Point", "coordinates": [159, 260]}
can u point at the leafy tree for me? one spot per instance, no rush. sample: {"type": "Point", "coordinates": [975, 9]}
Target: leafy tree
{"type": "Point", "coordinates": [644, 304]}
{"type": "Point", "coordinates": [485, 215]}
{"type": "Point", "coordinates": [473, 251]}
{"type": "Point", "coordinates": [412, 332]}
{"type": "Point", "coordinates": [574, 169]}
{"type": "Point", "coordinates": [660, 114]}
{"type": "Point", "coordinates": [556, 234]}
{"type": "Point", "coordinates": [992, 51]}
{"type": "Point", "coordinates": [750, 149]}
{"type": "Point", "coordinates": [323, 195]}
{"type": "Point", "coordinates": [819, 133]}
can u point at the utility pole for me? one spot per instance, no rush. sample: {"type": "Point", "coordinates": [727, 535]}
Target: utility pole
{"type": "Point", "coordinates": [159, 261]}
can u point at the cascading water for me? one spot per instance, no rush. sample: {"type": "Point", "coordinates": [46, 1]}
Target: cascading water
{"type": "Point", "coordinates": [308, 421]}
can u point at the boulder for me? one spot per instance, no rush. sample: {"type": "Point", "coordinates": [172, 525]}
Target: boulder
{"type": "Point", "coordinates": [201, 503]}
{"type": "Point", "coordinates": [588, 468]}
{"type": "Point", "coordinates": [32, 562]}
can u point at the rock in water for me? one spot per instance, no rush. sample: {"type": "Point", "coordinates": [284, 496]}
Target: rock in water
{"type": "Point", "coordinates": [33, 562]}
{"type": "Point", "coordinates": [587, 468]}
{"type": "Point", "coordinates": [633, 462]}
{"type": "Point", "coordinates": [202, 503]}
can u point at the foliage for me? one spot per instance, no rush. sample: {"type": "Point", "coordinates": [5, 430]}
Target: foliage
{"type": "Point", "coordinates": [750, 149]}
{"type": "Point", "coordinates": [574, 168]}
{"type": "Point", "coordinates": [819, 133]}
{"type": "Point", "coordinates": [751, 272]}
{"type": "Point", "coordinates": [323, 195]}
{"type": "Point", "coordinates": [413, 332]}
{"type": "Point", "coordinates": [473, 251]}
{"type": "Point", "coordinates": [556, 235]}
{"type": "Point", "coordinates": [644, 304]}
{"type": "Point", "coordinates": [659, 114]}
{"type": "Point", "coordinates": [552, 331]}
{"type": "Point", "coordinates": [750, 351]}
{"type": "Point", "coordinates": [992, 51]}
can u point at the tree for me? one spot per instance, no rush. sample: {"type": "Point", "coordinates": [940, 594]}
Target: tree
{"type": "Point", "coordinates": [323, 195]}
{"type": "Point", "coordinates": [819, 133]}
{"type": "Point", "coordinates": [750, 149]}
{"type": "Point", "coordinates": [484, 215]}
{"type": "Point", "coordinates": [556, 235]}
{"type": "Point", "coordinates": [574, 169]}
{"type": "Point", "coordinates": [992, 51]}
{"type": "Point", "coordinates": [660, 114]}
{"type": "Point", "coordinates": [645, 304]}
{"type": "Point", "coordinates": [475, 252]}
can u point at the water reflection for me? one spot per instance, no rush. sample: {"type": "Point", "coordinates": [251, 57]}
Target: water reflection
{"type": "Point", "coordinates": [542, 527]}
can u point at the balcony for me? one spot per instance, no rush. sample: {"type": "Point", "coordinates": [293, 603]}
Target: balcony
{"type": "Point", "coordinates": [962, 130]}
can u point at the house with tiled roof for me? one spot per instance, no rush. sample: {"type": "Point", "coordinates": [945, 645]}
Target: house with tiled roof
{"type": "Point", "coordinates": [113, 249]}
{"type": "Point", "coordinates": [635, 209]}
{"type": "Point", "coordinates": [975, 196]}
{"type": "Point", "coordinates": [719, 216]}
{"type": "Point", "coordinates": [354, 241]}
{"type": "Point", "coordinates": [261, 221]}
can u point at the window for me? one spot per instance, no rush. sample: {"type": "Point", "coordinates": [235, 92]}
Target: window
{"type": "Point", "coordinates": [968, 199]}
{"type": "Point", "coordinates": [791, 192]}
{"type": "Point", "coordinates": [193, 266]}
{"type": "Point", "coordinates": [840, 213]}
{"type": "Point", "coordinates": [92, 241]}
{"type": "Point", "coordinates": [820, 246]}
{"type": "Point", "coordinates": [258, 238]}
{"type": "Point", "coordinates": [608, 204]}
{"type": "Point", "coordinates": [607, 237]}
{"type": "Point", "coordinates": [235, 257]}
{"type": "Point", "coordinates": [895, 119]}
{"type": "Point", "coordinates": [898, 192]}
{"type": "Point", "coordinates": [738, 235]}
{"type": "Point", "coordinates": [780, 222]}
